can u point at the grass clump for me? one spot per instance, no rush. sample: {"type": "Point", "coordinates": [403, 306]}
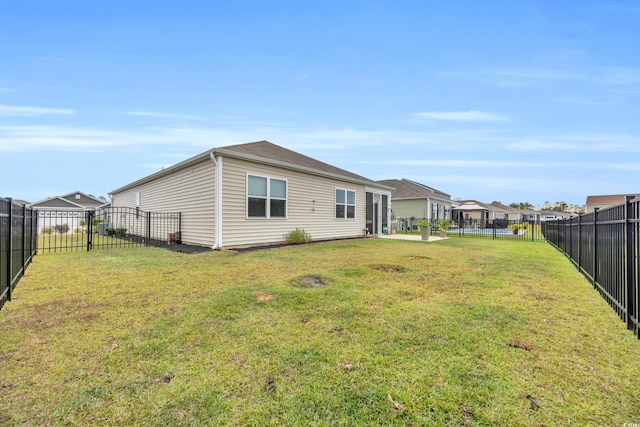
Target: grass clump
{"type": "Point", "coordinates": [297, 236]}
{"type": "Point", "coordinates": [473, 333]}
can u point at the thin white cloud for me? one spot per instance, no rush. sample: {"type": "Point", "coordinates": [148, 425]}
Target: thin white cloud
{"type": "Point", "coordinates": [55, 138]}
{"type": "Point", "coordinates": [505, 164]}
{"type": "Point", "coordinates": [326, 143]}
{"type": "Point", "coordinates": [474, 116]}
{"type": "Point", "coordinates": [579, 143]}
{"type": "Point", "coordinates": [527, 76]}
{"type": "Point", "coordinates": [488, 187]}
{"type": "Point", "coordinates": [588, 101]}
{"type": "Point", "coordinates": [12, 110]}
{"type": "Point", "coordinates": [164, 115]}
{"type": "Point", "coordinates": [462, 164]}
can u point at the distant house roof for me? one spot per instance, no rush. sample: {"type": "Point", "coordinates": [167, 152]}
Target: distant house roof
{"type": "Point", "coordinates": [73, 200]}
{"type": "Point", "coordinates": [407, 189]}
{"type": "Point", "coordinates": [608, 200]}
{"type": "Point", "coordinates": [506, 208]}
{"type": "Point", "coordinates": [267, 153]}
{"type": "Point", "coordinates": [471, 205]}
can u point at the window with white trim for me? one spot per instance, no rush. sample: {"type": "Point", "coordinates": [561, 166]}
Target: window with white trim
{"type": "Point", "coordinates": [345, 204]}
{"type": "Point", "coordinates": [266, 197]}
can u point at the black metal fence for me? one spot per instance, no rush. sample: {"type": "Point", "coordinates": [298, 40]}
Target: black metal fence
{"type": "Point", "coordinates": [481, 229]}
{"type": "Point", "coordinates": [604, 246]}
{"type": "Point", "coordinates": [84, 230]}
{"type": "Point", "coordinates": [18, 237]}
{"type": "Point", "coordinates": [25, 232]}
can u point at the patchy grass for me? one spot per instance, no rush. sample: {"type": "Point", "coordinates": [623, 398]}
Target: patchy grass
{"type": "Point", "coordinates": [380, 332]}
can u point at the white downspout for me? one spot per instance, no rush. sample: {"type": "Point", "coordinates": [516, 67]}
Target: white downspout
{"type": "Point", "coordinates": [217, 196]}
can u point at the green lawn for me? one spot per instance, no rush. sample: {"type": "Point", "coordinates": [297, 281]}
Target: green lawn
{"type": "Point", "coordinates": [367, 332]}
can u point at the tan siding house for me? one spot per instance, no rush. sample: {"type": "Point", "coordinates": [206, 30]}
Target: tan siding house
{"type": "Point", "coordinates": [68, 210]}
{"type": "Point", "coordinates": [188, 190]}
{"type": "Point", "coordinates": [602, 202]}
{"type": "Point", "coordinates": [413, 201]}
{"type": "Point", "coordinates": [255, 193]}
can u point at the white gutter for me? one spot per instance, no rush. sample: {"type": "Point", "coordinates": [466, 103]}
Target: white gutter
{"type": "Point", "coordinates": [217, 197]}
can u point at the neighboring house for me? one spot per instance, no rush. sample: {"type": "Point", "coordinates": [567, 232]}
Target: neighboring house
{"type": "Point", "coordinates": [500, 211]}
{"type": "Point", "coordinates": [514, 214]}
{"type": "Point", "coordinates": [471, 213]}
{"type": "Point", "coordinates": [415, 201]}
{"type": "Point", "coordinates": [605, 201]}
{"type": "Point", "coordinates": [76, 200]}
{"type": "Point", "coordinates": [529, 215]}
{"type": "Point", "coordinates": [474, 213]}
{"type": "Point", "coordinates": [67, 210]}
{"type": "Point", "coordinates": [255, 193]}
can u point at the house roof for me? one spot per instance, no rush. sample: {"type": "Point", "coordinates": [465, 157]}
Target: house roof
{"type": "Point", "coordinates": [407, 189]}
{"type": "Point", "coordinates": [505, 208]}
{"type": "Point", "coordinates": [463, 204]}
{"type": "Point", "coordinates": [470, 206]}
{"type": "Point", "coordinates": [608, 200]}
{"type": "Point", "coordinates": [267, 153]}
{"type": "Point", "coordinates": [73, 200]}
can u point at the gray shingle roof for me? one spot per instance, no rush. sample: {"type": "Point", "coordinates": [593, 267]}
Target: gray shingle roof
{"type": "Point", "coordinates": [267, 153]}
{"type": "Point", "coordinates": [608, 200]}
{"type": "Point", "coordinates": [268, 150]}
{"type": "Point", "coordinates": [407, 189]}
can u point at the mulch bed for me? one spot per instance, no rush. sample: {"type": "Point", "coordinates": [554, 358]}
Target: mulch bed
{"type": "Point", "coordinates": [286, 245]}
{"type": "Point", "coordinates": [191, 249]}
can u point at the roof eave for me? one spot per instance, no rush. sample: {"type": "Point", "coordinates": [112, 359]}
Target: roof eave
{"type": "Point", "coordinates": [253, 158]}
{"type": "Point", "coordinates": [291, 166]}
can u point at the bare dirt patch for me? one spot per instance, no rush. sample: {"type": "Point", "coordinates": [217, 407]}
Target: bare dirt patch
{"type": "Point", "coordinates": [264, 296]}
{"type": "Point", "coordinates": [418, 258]}
{"type": "Point", "coordinates": [389, 268]}
{"type": "Point", "coordinates": [311, 282]}
{"type": "Point", "coordinates": [515, 343]}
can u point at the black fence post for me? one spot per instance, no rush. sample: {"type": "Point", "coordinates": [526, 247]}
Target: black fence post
{"type": "Point", "coordinates": [10, 250]}
{"type": "Point", "coordinates": [579, 242]}
{"type": "Point", "coordinates": [595, 246]}
{"type": "Point", "coordinates": [570, 237]}
{"type": "Point", "coordinates": [89, 218]}
{"type": "Point", "coordinates": [24, 234]}
{"type": "Point", "coordinates": [630, 295]}
{"type": "Point", "coordinates": [148, 240]}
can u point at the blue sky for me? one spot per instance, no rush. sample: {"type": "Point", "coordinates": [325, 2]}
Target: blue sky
{"type": "Point", "coordinates": [498, 100]}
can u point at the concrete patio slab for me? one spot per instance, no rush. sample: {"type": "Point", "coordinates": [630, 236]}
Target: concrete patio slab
{"type": "Point", "coordinates": [413, 237]}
